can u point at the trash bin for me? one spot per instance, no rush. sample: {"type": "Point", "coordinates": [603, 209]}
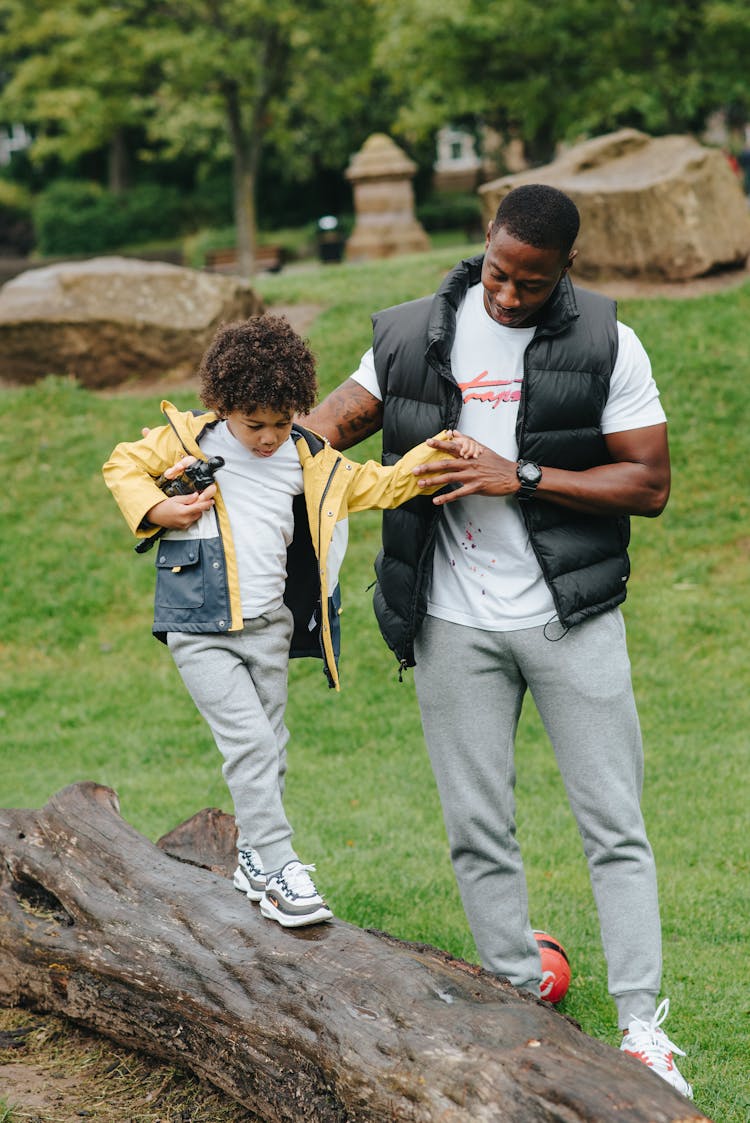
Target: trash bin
{"type": "Point", "coordinates": [330, 239]}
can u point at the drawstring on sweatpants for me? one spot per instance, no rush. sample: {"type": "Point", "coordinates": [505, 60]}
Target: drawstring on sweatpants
{"type": "Point", "coordinates": [563, 633]}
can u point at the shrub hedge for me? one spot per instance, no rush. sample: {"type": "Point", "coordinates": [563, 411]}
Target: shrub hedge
{"type": "Point", "coordinates": [80, 217]}
{"type": "Point", "coordinates": [16, 226]}
{"type": "Point", "coordinates": [451, 211]}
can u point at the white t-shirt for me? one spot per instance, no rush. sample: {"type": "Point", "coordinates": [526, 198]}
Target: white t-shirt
{"type": "Point", "coordinates": [258, 493]}
{"type": "Point", "coordinates": [485, 574]}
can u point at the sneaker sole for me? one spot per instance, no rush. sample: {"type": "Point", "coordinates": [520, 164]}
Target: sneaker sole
{"type": "Point", "coordinates": [293, 920]}
{"type": "Point", "coordinates": [241, 882]}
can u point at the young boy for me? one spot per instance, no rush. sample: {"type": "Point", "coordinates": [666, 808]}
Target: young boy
{"type": "Point", "coordinates": [247, 570]}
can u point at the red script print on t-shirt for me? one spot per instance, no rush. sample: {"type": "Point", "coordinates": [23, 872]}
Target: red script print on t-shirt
{"type": "Point", "coordinates": [481, 388]}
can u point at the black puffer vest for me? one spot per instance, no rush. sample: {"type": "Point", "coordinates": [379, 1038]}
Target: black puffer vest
{"type": "Point", "coordinates": [567, 366]}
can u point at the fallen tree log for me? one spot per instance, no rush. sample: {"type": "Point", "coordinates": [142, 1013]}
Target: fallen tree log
{"type": "Point", "coordinates": [329, 1023]}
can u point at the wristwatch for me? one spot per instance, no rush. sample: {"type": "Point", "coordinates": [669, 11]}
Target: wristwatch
{"type": "Point", "coordinates": [529, 475]}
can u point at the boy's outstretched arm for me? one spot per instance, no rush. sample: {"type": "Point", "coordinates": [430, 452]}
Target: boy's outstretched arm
{"type": "Point", "coordinates": [377, 486]}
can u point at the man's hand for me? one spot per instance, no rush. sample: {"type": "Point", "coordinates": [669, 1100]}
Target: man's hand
{"type": "Point", "coordinates": [477, 471]}
{"type": "Point", "coordinates": [179, 512]}
{"type": "Point", "coordinates": [636, 482]}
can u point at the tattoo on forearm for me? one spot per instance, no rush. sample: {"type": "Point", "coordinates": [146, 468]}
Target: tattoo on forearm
{"type": "Point", "coordinates": [348, 415]}
{"type": "Point", "coordinates": [357, 424]}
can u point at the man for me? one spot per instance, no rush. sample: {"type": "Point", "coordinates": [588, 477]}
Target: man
{"type": "Point", "coordinates": [516, 571]}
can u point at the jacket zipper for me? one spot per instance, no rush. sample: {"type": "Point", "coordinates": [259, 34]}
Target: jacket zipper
{"type": "Point", "coordinates": [324, 621]}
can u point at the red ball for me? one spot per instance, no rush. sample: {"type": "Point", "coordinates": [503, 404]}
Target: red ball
{"type": "Point", "coordinates": [555, 967]}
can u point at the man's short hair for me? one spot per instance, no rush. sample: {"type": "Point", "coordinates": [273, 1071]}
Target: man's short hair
{"type": "Point", "coordinates": [539, 216]}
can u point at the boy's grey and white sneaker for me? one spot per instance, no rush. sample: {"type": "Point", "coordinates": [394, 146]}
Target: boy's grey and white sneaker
{"type": "Point", "coordinates": [649, 1043]}
{"type": "Point", "coordinates": [291, 898]}
{"type": "Point", "coordinates": [249, 877]}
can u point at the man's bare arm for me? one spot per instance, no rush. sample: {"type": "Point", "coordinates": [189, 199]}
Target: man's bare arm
{"type": "Point", "coordinates": [348, 415]}
{"type": "Point", "coordinates": [635, 483]}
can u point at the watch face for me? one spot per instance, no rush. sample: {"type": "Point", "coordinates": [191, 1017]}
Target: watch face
{"type": "Point", "coordinates": [529, 473]}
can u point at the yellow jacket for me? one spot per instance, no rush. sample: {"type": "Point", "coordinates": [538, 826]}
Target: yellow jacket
{"type": "Point", "coordinates": [197, 582]}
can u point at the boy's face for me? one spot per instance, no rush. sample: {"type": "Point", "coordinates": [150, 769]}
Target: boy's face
{"type": "Point", "coordinates": [262, 432]}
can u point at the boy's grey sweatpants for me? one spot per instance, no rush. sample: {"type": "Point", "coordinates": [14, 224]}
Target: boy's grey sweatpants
{"type": "Point", "coordinates": [470, 685]}
{"type": "Point", "coordinates": [238, 681]}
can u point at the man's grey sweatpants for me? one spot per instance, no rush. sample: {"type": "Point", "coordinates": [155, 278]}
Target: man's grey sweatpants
{"type": "Point", "coordinates": [238, 682]}
{"type": "Point", "coordinates": [470, 685]}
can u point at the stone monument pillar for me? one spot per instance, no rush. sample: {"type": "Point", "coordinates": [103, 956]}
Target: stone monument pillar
{"type": "Point", "coordinates": [385, 224]}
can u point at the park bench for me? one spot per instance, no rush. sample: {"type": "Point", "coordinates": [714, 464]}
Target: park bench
{"type": "Point", "coordinates": [268, 259]}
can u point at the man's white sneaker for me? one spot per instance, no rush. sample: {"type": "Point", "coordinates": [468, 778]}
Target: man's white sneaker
{"type": "Point", "coordinates": [649, 1043]}
{"type": "Point", "coordinates": [249, 877]}
{"type": "Point", "coordinates": [291, 898]}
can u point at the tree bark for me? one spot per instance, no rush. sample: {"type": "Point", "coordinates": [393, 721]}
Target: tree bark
{"type": "Point", "coordinates": [118, 163]}
{"type": "Point", "coordinates": [243, 181]}
{"type": "Point", "coordinates": [245, 153]}
{"type": "Point", "coordinates": [330, 1023]}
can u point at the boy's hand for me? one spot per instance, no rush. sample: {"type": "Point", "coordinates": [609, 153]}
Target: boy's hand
{"type": "Point", "coordinates": [459, 444]}
{"type": "Point", "coordinates": [179, 467]}
{"type": "Point", "coordinates": [179, 512]}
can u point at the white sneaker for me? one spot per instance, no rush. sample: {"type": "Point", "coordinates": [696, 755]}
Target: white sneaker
{"type": "Point", "coordinates": [291, 898]}
{"type": "Point", "coordinates": [249, 877]}
{"type": "Point", "coordinates": [650, 1044]}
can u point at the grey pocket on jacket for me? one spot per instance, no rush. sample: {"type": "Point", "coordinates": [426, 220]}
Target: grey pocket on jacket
{"type": "Point", "coordinates": [179, 574]}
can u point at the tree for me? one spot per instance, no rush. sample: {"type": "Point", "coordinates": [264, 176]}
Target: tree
{"type": "Point", "coordinates": [75, 72]}
{"type": "Point", "coordinates": [237, 74]}
{"type": "Point", "coordinates": [551, 72]}
{"type": "Point", "coordinates": [207, 78]}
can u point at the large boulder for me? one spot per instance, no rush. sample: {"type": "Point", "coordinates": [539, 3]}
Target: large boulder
{"type": "Point", "coordinates": [109, 320]}
{"type": "Point", "coordinates": [666, 208]}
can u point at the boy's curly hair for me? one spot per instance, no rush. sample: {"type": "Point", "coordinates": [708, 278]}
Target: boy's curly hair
{"type": "Point", "coordinates": [258, 363]}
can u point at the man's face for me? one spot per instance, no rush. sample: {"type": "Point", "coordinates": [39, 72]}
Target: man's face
{"type": "Point", "coordinates": [518, 279]}
{"type": "Point", "coordinates": [262, 432]}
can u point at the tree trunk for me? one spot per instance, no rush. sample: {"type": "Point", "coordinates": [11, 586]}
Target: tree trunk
{"type": "Point", "coordinates": [243, 182]}
{"type": "Point", "coordinates": [118, 164]}
{"type": "Point", "coordinates": [245, 147]}
{"type": "Point", "coordinates": [329, 1023]}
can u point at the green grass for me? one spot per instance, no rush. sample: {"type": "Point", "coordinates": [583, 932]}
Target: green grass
{"type": "Point", "coordinates": [88, 694]}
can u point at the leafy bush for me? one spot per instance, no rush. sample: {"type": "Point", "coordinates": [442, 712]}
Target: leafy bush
{"type": "Point", "coordinates": [16, 227]}
{"type": "Point", "coordinates": [210, 203]}
{"type": "Point", "coordinates": [150, 212]}
{"type": "Point", "coordinates": [451, 212]}
{"type": "Point", "coordinates": [79, 217]}
{"type": "Point", "coordinates": [62, 216]}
